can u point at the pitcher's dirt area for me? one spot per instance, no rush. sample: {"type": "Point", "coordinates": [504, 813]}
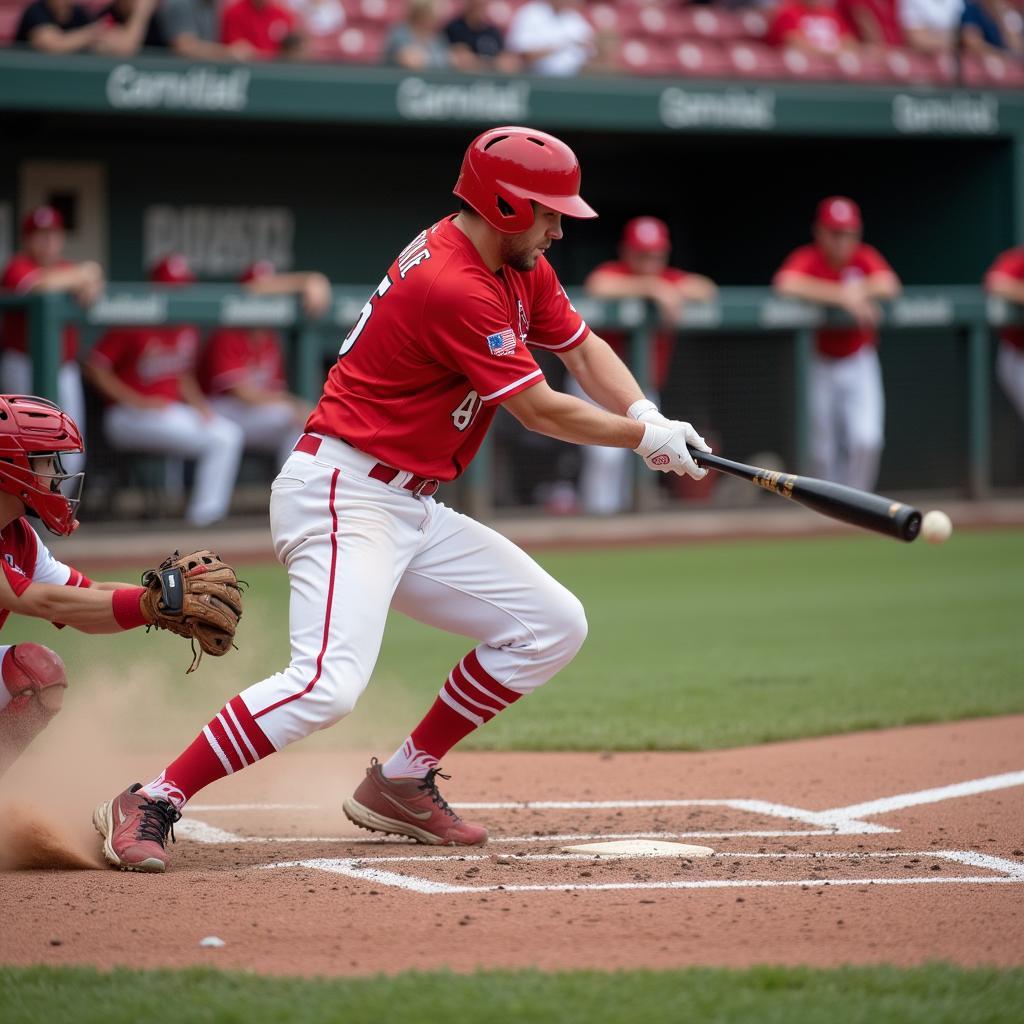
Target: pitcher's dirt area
{"type": "Point", "coordinates": [267, 862]}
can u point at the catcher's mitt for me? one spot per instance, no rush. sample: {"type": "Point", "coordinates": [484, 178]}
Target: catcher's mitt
{"type": "Point", "coordinates": [196, 596]}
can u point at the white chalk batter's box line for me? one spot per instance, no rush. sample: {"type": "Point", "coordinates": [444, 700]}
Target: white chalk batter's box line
{"type": "Point", "coordinates": [844, 821]}
{"type": "Point", "coordinates": [1003, 872]}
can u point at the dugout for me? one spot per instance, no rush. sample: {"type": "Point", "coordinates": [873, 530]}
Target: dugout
{"type": "Point", "coordinates": [334, 168]}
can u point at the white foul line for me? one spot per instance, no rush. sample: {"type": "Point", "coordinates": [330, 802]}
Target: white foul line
{"type": "Point", "coordinates": [357, 869]}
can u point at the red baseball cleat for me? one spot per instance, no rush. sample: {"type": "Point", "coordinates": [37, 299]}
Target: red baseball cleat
{"type": "Point", "coordinates": [134, 830]}
{"type": "Point", "coordinates": [409, 807]}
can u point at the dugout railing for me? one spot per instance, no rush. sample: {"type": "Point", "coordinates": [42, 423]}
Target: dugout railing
{"type": "Point", "coordinates": [961, 314]}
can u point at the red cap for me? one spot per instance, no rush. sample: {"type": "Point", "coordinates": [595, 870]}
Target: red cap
{"type": "Point", "coordinates": [256, 271]}
{"type": "Point", "coordinates": [173, 269]}
{"type": "Point", "coordinates": [838, 213]}
{"type": "Point", "coordinates": [646, 234]}
{"type": "Point", "coordinates": [42, 218]}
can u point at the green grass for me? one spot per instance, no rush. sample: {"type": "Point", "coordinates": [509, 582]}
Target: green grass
{"type": "Point", "coordinates": [935, 994]}
{"type": "Point", "coordinates": [690, 647]}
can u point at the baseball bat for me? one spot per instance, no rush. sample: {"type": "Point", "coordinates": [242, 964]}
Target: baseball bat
{"type": "Point", "coordinates": [847, 504]}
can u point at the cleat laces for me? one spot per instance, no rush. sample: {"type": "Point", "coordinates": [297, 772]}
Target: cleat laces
{"type": "Point", "coordinates": [430, 786]}
{"type": "Point", "coordinates": [158, 818]}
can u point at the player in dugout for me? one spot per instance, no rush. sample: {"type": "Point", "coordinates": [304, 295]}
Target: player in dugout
{"type": "Point", "coordinates": [443, 340]}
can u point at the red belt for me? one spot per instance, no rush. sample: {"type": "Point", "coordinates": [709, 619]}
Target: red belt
{"type": "Point", "coordinates": [309, 444]}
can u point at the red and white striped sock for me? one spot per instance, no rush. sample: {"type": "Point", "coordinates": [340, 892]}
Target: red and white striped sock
{"type": "Point", "coordinates": [230, 741]}
{"type": "Point", "coordinates": [469, 698]}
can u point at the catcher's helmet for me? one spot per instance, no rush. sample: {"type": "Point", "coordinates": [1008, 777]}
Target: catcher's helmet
{"type": "Point", "coordinates": [505, 168]}
{"type": "Point", "coordinates": [33, 428]}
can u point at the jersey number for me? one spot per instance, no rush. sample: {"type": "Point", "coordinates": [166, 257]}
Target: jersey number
{"type": "Point", "coordinates": [466, 411]}
{"type": "Point", "coordinates": [364, 315]}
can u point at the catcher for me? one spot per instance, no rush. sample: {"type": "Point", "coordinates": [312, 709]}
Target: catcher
{"type": "Point", "coordinates": [196, 596]}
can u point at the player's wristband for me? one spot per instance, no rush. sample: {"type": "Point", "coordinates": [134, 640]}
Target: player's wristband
{"type": "Point", "coordinates": [127, 606]}
{"type": "Point", "coordinates": [639, 407]}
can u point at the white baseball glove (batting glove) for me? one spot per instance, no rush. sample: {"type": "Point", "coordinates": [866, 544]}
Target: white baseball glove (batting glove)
{"type": "Point", "coordinates": [646, 412]}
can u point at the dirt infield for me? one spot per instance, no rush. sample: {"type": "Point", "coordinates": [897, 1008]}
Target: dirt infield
{"type": "Point", "coordinates": [901, 846]}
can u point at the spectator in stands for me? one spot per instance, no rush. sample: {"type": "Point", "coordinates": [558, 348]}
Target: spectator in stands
{"type": "Point", "coordinates": [876, 22]}
{"type": "Point", "coordinates": [242, 368]}
{"type": "Point", "coordinates": [846, 399]}
{"type": "Point", "coordinates": [641, 271]}
{"type": "Point", "coordinates": [192, 31]}
{"type": "Point", "coordinates": [57, 26]}
{"type": "Point", "coordinates": [271, 30]}
{"type": "Point", "coordinates": [132, 24]}
{"type": "Point", "coordinates": [931, 26]}
{"type": "Point", "coordinates": [147, 375]}
{"type": "Point", "coordinates": [987, 26]}
{"type": "Point", "coordinates": [416, 43]}
{"type": "Point", "coordinates": [1005, 278]}
{"type": "Point", "coordinates": [476, 43]}
{"type": "Point", "coordinates": [319, 17]}
{"type": "Point", "coordinates": [813, 26]}
{"type": "Point", "coordinates": [40, 267]}
{"type": "Point", "coordinates": [552, 37]}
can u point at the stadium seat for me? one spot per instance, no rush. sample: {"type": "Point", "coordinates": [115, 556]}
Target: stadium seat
{"type": "Point", "coordinates": [357, 44]}
{"type": "Point", "coordinates": [754, 24]}
{"type": "Point", "coordinates": [645, 57]}
{"type": "Point", "coordinates": [500, 12]}
{"type": "Point", "coordinates": [802, 65]}
{"type": "Point", "coordinates": [9, 18]}
{"type": "Point", "coordinates": [754, 60]}
{"type": "Point", "coordinates": [604, 17]}
{"type": "Point", "coordinates": [862, 67]}
{"type": "Point", "coordinates": [653, 22]}
{"type": "Point", "coordinates": [908, 66]}
{"type": "Point", "coordinates": [701, 58]}
{"type": "Point", "coordinates": [710, 23]}
{"type": "Point", "coordinates": [378, 12]}
{"type": "Point", "coordinates": [993, 70]}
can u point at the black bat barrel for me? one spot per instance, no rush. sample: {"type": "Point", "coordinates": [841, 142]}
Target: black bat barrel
{"type": "Point", "coordinates": [847, 504]}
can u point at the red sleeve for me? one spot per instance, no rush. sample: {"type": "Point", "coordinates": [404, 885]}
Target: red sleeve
{"type": "Point", "coordinates": [280, 377]}
{"type": "Point", "coordinates": [20, 273]}
{"type": "Point", "coordinates": [231, 28]}
{"type": "Point", "coordinates": [674, 275]}
{"type": "Point", "coordinates": [799, 261]}
{"type": "Point", "coordinates": [872, 261]}
{"type": "Point", "coordinates": [472, 336]}
{"type": "Point", "coordinates": [554, 323]}
{"type": "Point", "coordinates": [1009, 263]}
{"type": "Point", "coordinates": [78, 579]}
{"type": "Point", "coordinates": [19, 581]}
{"type": "Point", "coordinates": [109, 352]}
{"type": "Point", "coordinates": [225, 362]}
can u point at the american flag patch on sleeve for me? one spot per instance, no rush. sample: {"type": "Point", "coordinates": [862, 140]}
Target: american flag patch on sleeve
{"type": "Point", "coordinates": [503, 343]}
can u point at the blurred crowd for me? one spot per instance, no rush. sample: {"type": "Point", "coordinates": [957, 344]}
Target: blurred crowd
{"type": "Point", "coordinates": [542, 37]}
{"type": "Point", "coordinates": [165, 390]}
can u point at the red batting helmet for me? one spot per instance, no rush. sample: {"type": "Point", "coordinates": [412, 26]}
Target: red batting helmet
{"type": "Point", "coordinates": [30, 428]}
{"type": "Point", "coordinates": [506, 168]}
{"type": "Point", "coordinates": [42, 218]}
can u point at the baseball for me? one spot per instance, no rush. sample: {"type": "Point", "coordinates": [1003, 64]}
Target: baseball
{"type": "Point", "coordinates": [936, 527]}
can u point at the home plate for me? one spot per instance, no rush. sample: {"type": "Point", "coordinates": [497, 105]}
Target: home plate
{"type": "Point", "coordinates": [641, 848]}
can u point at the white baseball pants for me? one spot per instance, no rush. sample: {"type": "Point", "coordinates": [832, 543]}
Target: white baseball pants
{"type": "Point", "coordinates": [354, 547]}
{"type": "Point", "coordinates": [847, 418]}
{"type": "Point", "coordinates": [1010, 371]}
{"type": "Point", "coordinates": [269, 428]}
{"type": "Point", "coordinates": [16, 374]}
{"type": "Point", "coordinates": [178, 430]}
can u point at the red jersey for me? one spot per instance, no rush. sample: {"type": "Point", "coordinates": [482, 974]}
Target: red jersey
{"type": "Point", "coordinates": [1010, 264]}
{"type": "Point", "coordinates": [26, 559]}
{"type": "Point", "coordinates": [664, 341]}
{"type": "Point", "coordinates": [150, 360]}
{"type": "Point", "coordinates": [20, 275]}
{"type": "Point", "coordinates": [441, 343]}
{"type": "Point", "coordinates": [810, 260]}
{"type": "Point", "coordinates": [821, 26]}
{"type": "Point", "coordinates": [238, 356]}
{"type": "Point", "coordinates": [265, 27]}
{"type": "Point", "coordinates": [884, 14]}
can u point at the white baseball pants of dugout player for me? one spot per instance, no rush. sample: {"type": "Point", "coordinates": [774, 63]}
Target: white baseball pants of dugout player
{"type": "Point", "coordinates": [355, 546]}
{"type": "Point", "coordinates": [847, 408]}
{"type": "Point", "coordinates": [178, 430]}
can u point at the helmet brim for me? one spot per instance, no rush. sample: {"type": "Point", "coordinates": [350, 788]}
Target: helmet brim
{"type": "Point", "coordinates": [568, 206]}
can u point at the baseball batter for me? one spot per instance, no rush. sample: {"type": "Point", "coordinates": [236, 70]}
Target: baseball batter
{"type": "Point", "coordinates": [444, 339]}
{"type": "Point", "coordinates": [35, 437]}
{"type": "Point", "coordinates": [1005, 278]}
{"type": "Point", "coordinates": [847, 401]}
